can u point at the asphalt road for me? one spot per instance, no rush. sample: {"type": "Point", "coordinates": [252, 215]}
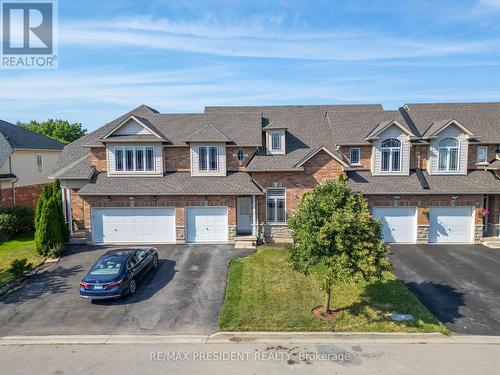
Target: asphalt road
{"type": "Point", "coordinates": [183, 295]}
{"type": "Point", "coordinates": [248, 358]}
{"type": "Point", "coordinates": [459, 284]}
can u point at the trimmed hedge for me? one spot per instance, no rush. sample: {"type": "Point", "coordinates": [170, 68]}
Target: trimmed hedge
{"type": "Point", "coordinates": [15, 220]}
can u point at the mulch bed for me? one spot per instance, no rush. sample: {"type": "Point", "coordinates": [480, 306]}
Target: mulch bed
{"type": "Point", "coordinates": [318, 312]}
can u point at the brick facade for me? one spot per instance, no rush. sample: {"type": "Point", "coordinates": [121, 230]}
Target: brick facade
{"type": "Point", "coordinates": [98, 158]}
{"type": "Point", "coordinates": [177, 159]}
{"type": "Point", "coordinates": [24, 196]}
{"type": "Point", "coordinates": [232, 162]}
{"type": "Point", "coordinates": [365, 156]}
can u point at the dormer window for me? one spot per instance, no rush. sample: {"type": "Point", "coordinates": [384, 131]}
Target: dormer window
{"type": "Point", "coordinates": [134, 158]}
{"type": "Point", "coordinates": [448, 155]}
{"type": "Point", "coordinates": [208, 158]}
{"type": "Point", "coordinates": [275, 142]}
{"type": "Point", "coordinates": [391, 156]}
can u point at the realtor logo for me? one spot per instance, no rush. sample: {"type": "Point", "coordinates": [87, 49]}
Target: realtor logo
{"type": "Point", "coordinates": [28, 34]}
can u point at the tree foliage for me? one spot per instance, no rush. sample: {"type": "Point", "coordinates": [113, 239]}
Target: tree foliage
{"type": "Point", "coordinates": [58, 129]}
{"type": "Point", "coordinates": [50, 228]}
{"type": "Point", "coordinates": [336, 237]}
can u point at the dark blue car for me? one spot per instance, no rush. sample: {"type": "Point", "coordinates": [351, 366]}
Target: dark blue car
{"type": "Point", "coordinates": [117, 273]}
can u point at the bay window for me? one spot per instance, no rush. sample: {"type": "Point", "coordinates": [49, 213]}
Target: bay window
{"type": "Point", "coordinates": [448, 155]}
{"type": "Point", "coordinates": [276, 206]}
{"type": "Point", "coordinates": [134, 158]}
{"type": "Point", "coordinates": [391, 156]}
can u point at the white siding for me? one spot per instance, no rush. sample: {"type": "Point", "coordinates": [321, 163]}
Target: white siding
{"type": "Point", "coordinates": [131, 127]}
{"type": "Point", "coordinates": [450, 132]}
{"type": "Point", "coordinates": [221, 150]}
{"type": "Point", "coordinates": [392, 132]}
{"type": "Point", "coordinates": [110, 155]}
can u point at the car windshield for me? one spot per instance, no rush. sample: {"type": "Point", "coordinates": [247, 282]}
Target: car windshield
{"type": "Point", "coordinates": [107, 266]}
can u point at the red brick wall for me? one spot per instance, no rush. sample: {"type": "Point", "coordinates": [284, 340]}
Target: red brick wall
{"type": "Point", "coordinates": [494, 209]}
{"type": "Point", "coordinates": [98, 158]}
{"type": "Point", "coordinates": [179, 202]}
{"type": "Point", "coordinates": [24, 196]}
{"type": "Point", "coordinates": [472, 155]}
{"type": "Point", "coordinates": [426, 201]}
{"type": "Point", "coordinates": [419, 156]}
{"type": "Point", "coordinates": [78, 211]}
{"type": "Point", "coordinates": [316, 171]}
{"type": "Point", "coordinates": [364, 157]}
{"type": "Point", "coordinates": [232, 162]}
{"type": "Point", "coordinates": [177, 159]}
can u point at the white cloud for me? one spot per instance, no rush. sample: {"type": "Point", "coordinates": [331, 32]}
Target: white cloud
{"type": "Point", "coordinates": [256, 40]}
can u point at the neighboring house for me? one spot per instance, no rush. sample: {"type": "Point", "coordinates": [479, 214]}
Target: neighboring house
{"type": "Point", "coordinates": [26, 160]}
{"type": "Point", "coordinates": [229, 172]}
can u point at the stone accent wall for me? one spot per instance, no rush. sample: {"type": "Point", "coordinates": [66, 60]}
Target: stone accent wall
{"type": "Point", "coordinates": [24, 196]}
{"type": "Point", "coordinates": [98, 158]}
{"type": "Point", "coordinates": [274, 233]}
{"type": "Point", "coordinates": [422, 233]}
{"type": "Point", "coordinates": [177, 159]}
{"type": "Point", "coordinates": [478, 232]}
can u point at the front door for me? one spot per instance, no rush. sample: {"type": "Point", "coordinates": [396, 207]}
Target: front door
{"type": "Point", "coordinates": [244, 208]}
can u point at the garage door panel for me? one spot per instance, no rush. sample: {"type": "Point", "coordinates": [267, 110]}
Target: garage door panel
{"type": "Point", "coordinates": [398, 223]}
{"type": "Point", "coordinates": [450, 225]}
{"type": "Point", "coordinates": [133, 225]}
{"type": "Point", "coordinates": [207, 224]}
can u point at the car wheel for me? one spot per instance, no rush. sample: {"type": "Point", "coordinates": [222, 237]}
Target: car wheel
{"type": "Point", "coordinates": [155, 261]}
{"type": "Point", "coordinates": [132, 286]}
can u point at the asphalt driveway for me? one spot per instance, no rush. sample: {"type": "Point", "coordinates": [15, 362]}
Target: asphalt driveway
{"type": "Point", "coordinates": [182, 296]}
{"type": "Point", "coordinates": [459, 284]}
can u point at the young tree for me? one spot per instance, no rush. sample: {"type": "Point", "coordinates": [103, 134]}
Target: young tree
{"type": "Point", "coordinates": [336, 238]}
{"type": "Point", "coordinates": [61, 130]}
{"type": "Point", "coordinates": [57, 194]}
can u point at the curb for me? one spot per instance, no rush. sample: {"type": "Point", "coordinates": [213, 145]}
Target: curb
{"type": "Point", "coordinates": [253, 338]}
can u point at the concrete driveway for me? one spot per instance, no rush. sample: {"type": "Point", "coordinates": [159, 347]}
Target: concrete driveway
{"type": "Point", "coordinates": [459, 284]}
{"type": "Point", "coordinates": [182, 296]}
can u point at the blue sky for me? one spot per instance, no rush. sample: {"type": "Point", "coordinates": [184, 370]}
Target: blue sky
{"type": "Point", "coordinates": [178, 56]}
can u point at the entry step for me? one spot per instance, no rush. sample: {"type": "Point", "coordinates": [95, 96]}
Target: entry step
{"type": "Point", "coordinates": [245, 242]}
{"type": "Point", "coordinates": [491, 242]}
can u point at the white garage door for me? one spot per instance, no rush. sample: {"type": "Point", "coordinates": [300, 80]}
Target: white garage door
{"type": "Point", "coordinates": [206, 224]}
{"type": "Point", "coordinates": [399, 224]}
{"type": "Point", "coordinates": [450, 224]}
{"type": "Point", "coordinates": [133, 225]}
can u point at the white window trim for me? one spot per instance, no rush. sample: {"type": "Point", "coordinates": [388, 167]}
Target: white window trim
{"type": "Point", "coordinates": [485, 162]}
{"type": "Point", "coordinates": [269, 142]}
{"type": "Point", "coordinates": [391, 155]}
{"type": "Point", "coordinates": [275, 198]}
{"type": "Point", "coordinates": [134, 162]}
{"type": "Point", "coordinates": [39, 157]}
{"type": "Point", "coordinates": [276, 149]}
{"type": "Point", "coordinates": [359, 155]}
{"type": "Point", "coordinates": [448, 156]}
{"type": "Point", "coordinates": [209, 159]}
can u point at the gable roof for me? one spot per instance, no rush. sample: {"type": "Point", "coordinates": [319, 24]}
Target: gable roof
{"type": "Point", "coordinates": [145, 123]}
{"type": "Point", "coordinates": [382, 126]}
{"type": "Point", "coordinates": [209, 133]}
{"type": "Point", "coordinates": [21, 138]}
{"type": "Point", "coordinates": [481, 119]}
{"type": "Point", "coordinates": [439, 125]}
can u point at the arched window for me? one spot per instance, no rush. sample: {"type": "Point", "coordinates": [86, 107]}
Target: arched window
{"type": "Point", "coordinates": [391, 155]}
{"type": "Point", "coordinates": [448, 155]}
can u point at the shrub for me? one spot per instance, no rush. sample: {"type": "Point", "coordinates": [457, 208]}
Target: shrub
{"type": "Point", "coordinates": [19, 266]}
{"type": "Point", "coordinates": [15, 220]}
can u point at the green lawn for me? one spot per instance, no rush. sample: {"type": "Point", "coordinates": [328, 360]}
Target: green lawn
{"type": "Point", "coordinates": [22, 246]}
{"type": "Point", "coordinates": [264, 294]}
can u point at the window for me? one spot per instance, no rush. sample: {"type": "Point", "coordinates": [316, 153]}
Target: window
{"type": "Point", "coordinates": [119, 159]}
{"type": "Point", "coordinates": [134, 159]}
{"type": "Point", "coordinates": [276, 141]}
{"type": "Point", "coordinates": [139, 159]}
{"type": "Point", "coordinates": [213, 159]}
{"type": "Point", "coordinates": [391, 155]}
{"type": "Point", "coordinates": [150, 159]}
{"type": "Point", "coordinates": [276, 205]}
{"type": "Point", "coordinates": [354, 155]}
{"type": "Point", "coordinates": [129, 159]}
{"type": "Point", "coordinates": [208, 158]}
{"type": "Point", "coordinates": [482, 154]}
{"type": "Point", "coordinates": [240, 155]}
{"type": "Point", "coordinates": [448, 155]}
{"type": "Point", "coordinates": [39, 163]}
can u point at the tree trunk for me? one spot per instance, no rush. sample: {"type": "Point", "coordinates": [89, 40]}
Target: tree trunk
{"type": "Point", "coordinates": [326, 307]}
